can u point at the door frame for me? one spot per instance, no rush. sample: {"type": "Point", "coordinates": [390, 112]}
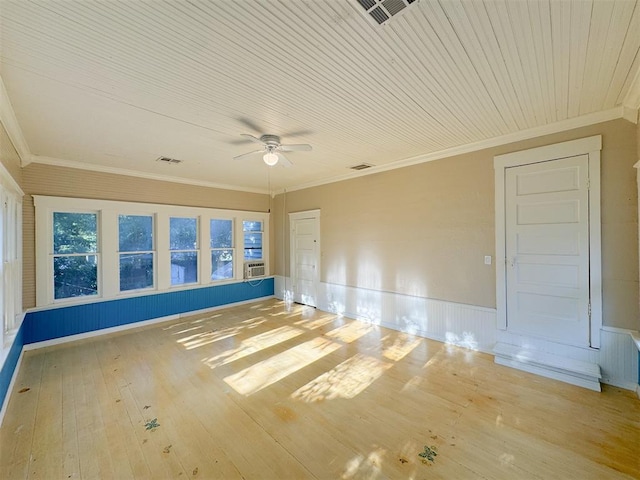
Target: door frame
{"type": "Point", "coordinates": [590, 146]}
{"type": "Point", "coordinates": [293, 217]}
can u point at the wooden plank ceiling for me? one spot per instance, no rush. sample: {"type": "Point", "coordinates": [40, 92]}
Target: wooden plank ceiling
{"type": "Point", "coordinates": [115, 85]}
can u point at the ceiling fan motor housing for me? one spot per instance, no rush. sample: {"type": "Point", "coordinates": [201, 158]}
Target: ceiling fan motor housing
{"type": "Point", "coordinates": [270, 140]}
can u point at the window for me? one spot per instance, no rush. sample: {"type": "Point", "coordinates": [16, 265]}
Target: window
{"type": "Point", "coordinates": [75, 254]}
{"type": "Point", "coordinates": [11, 261]}
{"type": "Point", "coordinates": [89, 250]}
{"type": "Point", "coordinates": [135, 237]}
{"type": "Point", "coordinates": [252, 239]}
{"type": "Point", "coordinates": [183, 240]}
{"type": "Point", "coordinates": [221, 236]}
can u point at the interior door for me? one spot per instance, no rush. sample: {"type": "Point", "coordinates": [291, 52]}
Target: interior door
{"type": "Point", "coordinates": [305, 271]}
{"type": "Point", "coordinates": [547, 250]}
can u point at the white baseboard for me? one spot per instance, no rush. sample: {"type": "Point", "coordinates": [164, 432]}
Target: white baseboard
{"type": "Point", "coordinates": [470, 326]}
{"type": "Point", "coordinates": [576, 372]}
{"type": "Point", "coordinates": [467, 326]}
{"type": "Point", "coordinates": [618, 358]}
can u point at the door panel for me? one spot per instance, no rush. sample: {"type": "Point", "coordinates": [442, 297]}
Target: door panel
{"type": "Point", "coordinates": [547, 250]}
{"type": "Point", "coordinates": [305, 260]}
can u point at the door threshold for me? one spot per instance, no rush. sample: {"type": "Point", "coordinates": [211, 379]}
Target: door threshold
{"type": "Point", "coordinates": [568, 370]}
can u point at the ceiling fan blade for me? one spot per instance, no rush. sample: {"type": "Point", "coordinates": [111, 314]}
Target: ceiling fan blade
{"type": "Point", "coordinates": [247, 154]}
{"type": "Point", "coordinates": [299, 147]}
{"type": "Point", "coordinates": [249, 124]}
{"type": "Point", "coordinates": [284, 161]}
{"type": "Point", "coordinates": [252, 138]}
{"type": "Point", "coordinates": [297, 133]}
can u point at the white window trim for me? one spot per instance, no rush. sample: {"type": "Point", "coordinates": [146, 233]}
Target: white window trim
{"type": "Point", "coordinates": [108, 275]}
{"type": "Point", "coordinates": [233, 249]}
{"type": "Point", "coordinates": [10, 260]}
{"type": "Point", "coordinates": [153, 252]}
{"type": "Point", "coordinates": [198, 251]}
{"type": "Point", "coordinates": [262, 232]}
{"type": "Point", "coordinates": [590, 146]}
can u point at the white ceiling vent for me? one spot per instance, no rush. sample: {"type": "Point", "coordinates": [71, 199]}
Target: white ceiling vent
{"type": "Point", "coordinates": [380, 12]}
{"type": "Point", "coordinates": [168, 160]}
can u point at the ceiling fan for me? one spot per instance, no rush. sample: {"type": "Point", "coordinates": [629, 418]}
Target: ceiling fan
{"type": "Point", "coordinates": [272, 149]}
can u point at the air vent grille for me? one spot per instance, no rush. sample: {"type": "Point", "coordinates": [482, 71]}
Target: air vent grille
{"type": "Point", "coordinates": [254, 269]}
{"type": "Point", "coordinates": [380, 12]}
{"type": "Point", "coordinates": [168, 160]}
{"type": "Point", "coordinates": [362, 166]}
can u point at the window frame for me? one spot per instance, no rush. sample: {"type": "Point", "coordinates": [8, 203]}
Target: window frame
{"type": "Point", "coordinates": [196, 250]}
{"type": "Point", "coordinates": [153, 252]}
{"type": "Point", "coordinates": [234, 258]}
{"type": "Point", "coordinates": [108, 245]}
{"type": "Point", "coordinates": [53, 255]}
{"type": "Point", "coordinates": [262, 235]}
{"type": "Point", "coordinates": [11, 261]}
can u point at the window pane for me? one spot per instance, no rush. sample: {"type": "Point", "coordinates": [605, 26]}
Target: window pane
{"type": "Point", "coordinates": [74, 232]}
{"type": "Point", "coordinates": [251, 226]}
{"type": "Point", "coordinates": [221, 264]}
{"type": "Point", "coordinates": [252, 245]}
{"type": "Point", "coordinates": [184, 268]}
{"type": "Point", "coordinates": [136, 233]}
{"type": "Point", "coordinates": [221, 233]}
{"type": "Point", "coordinates": [183, 233]}
{"type": "Point", "coordinates": [136, 271]}
{"type": "Point", "coordinates": [75, 276]}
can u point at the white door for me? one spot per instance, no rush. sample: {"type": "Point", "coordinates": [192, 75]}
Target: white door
{"type": "Point", "coordinates": [305, 261]}
{"type": "Point", "coordinates": [547, 250]}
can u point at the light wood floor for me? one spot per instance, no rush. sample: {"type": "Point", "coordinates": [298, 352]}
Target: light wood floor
{"type": "Point", "coordinates": [262, 391]}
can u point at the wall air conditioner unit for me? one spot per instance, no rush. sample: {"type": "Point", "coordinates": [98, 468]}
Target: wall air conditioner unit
{"type": "Point", "coordinates": [253, 269]}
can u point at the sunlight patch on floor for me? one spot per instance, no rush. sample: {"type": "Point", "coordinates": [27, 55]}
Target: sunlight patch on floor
{"type": "Point", "coordinates": [254, 322]}
{"type": "Point", "coordinates": [507, 459]}
{"type": "Point", "coordinates": [365, 467]}
{"type": "Point", "coordinates": [346, 380]}
{"type": "Point", "coordinates": [214, 335]}
{"type": "Point", "coordinates": [181, 332]}
{"type": "Point", "coordinates": [206, 338]}
{"type": "Point", "coordinates": [412, 384]}
{"type": "Point", "coordinates": [312, 323]}
{"type": "Point", "coordinates": [350, 332]}
{"type": "Point", "coordinates": [253, 345]}
{"type": "Point", "coordinates": [402, 346]}
{"type": "Point", "coordinates": [262, 374]}
{"type": "Point", "coordinates": [206, 319]}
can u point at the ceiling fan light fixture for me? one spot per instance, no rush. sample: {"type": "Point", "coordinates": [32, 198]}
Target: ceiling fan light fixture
{"type": "Point", "coordinates": [270, 158]}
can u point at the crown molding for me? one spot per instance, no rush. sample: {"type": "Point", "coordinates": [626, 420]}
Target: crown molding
{"type": "Point", "coordinates": [630, 114]}
{"type": "Point", "coordinates": [627, 113]}
{"type": "Point", "coordinates": [10, 122]}
{"type": "Point", "coordinates": [632, 98]}
{"type": "Point", "coordinates": [59, 162]}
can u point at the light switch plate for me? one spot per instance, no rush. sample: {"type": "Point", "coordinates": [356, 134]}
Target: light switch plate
{"type": "Point", "coordinates": [487, 259]}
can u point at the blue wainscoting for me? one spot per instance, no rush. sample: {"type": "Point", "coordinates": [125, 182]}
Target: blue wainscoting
{"type": "Point", "coordinates": [50, 324]}
{"type": "Point", "coordinates": [10, 363]}
{"type": "Point", "coordinates": [61, 322]}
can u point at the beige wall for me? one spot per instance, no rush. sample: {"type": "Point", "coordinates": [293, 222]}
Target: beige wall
{"type": "Point", "coordinates": [41, 179]}
{"type": "Point", "coordinates": [424, 230]}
